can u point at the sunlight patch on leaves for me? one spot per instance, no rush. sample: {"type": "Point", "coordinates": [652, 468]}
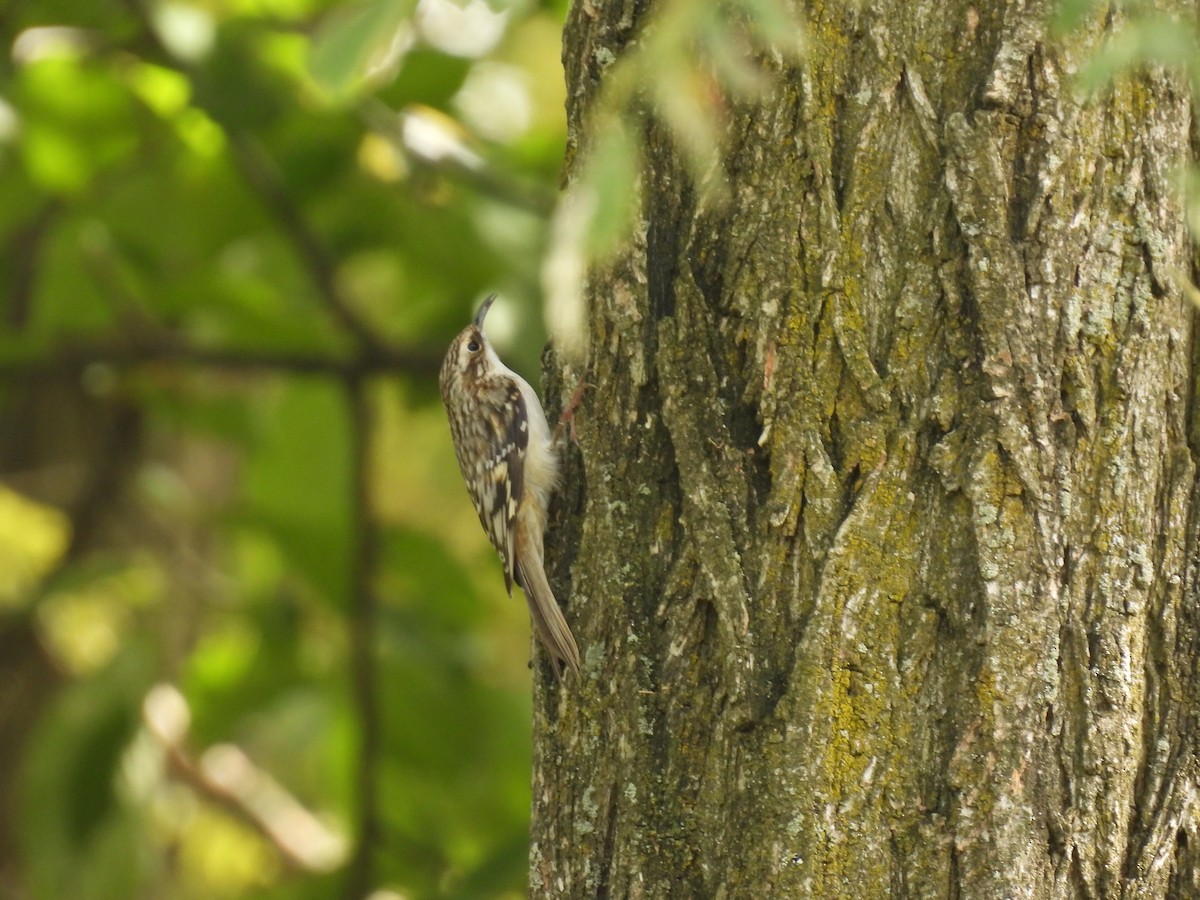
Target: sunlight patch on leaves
{"type": "Point", "coordinates": [33, 538]}
{"type": "Point", "coordinates": [86, 620]}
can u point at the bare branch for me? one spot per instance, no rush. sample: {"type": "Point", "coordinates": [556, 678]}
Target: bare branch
{"type": "Point", "coordinates": [364, 616]}
{"type": "Point", "coordinates": [263, 178]}
{"type": "Point", "coordinates": [261, 174]}
{"type": "Point", "coordinates": [23, 249]}
{"type": "Point", "coordinates": [225, 776]}
{"type": "Point", "coordinates": [70, 362]}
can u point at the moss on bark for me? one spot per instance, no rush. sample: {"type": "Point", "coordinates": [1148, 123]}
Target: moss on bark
{"type": "Point", "coordinates": [879, 536]}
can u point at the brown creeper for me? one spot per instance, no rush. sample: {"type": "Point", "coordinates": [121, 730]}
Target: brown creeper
{"type": "Point", "coordinates": [507, 458]}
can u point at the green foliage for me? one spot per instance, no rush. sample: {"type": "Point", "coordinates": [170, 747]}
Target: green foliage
{"type": "Point", "coordinates": [1138, 33]}
{"type": "Point", "coordinates": [73, 826]}
{"type": "Point", "coordinates": [691, 60]}
{"type": "Point", "coordinates": [236, 520]}
{"type": "Point", "coordinates": [298, 483]}
{"type": "Point", "coordinates": [690, 63]}
{"type": "Point", "coordinates": [610, 179]}
{"type": "Point", "coordinates": [356, 38]}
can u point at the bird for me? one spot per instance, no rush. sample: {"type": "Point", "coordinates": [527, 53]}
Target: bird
{"type": "Point", "coordinates": [508, 460]}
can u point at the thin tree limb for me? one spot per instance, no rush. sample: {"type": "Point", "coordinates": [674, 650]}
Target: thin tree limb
{"type": "Point", "coordinates": [24, 246]}
{"type": "Point", "coordinates": [262, 176]}
{"type": "Point", "coordinates": [70, 362]}
{"type": "Point", "coordinates": [364, 617]}
{"type": "Point", "coordinates": [260, 173]}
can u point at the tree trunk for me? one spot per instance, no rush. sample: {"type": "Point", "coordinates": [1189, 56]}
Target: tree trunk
{"type": "Point", "coordinates": [880, 539]}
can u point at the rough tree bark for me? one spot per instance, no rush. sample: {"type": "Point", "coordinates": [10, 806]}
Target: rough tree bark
{"type": "Point", "coordinates": [880, 541]}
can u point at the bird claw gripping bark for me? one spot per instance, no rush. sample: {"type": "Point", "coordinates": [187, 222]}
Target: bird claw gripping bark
{"type": "Point", "coordinates": [568, 414]}
{"type": "Point", "coordinates": [507, 458]}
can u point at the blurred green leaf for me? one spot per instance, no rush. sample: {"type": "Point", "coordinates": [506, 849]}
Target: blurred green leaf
{"type": "Point", "coordinates": [428, 78]}
{"type": "Point", "coordinates": [90, 779]}
{"type": "Point", "coordinates": [732, 62]}
{"type": "Point", "coordinates": [507, 862]}
{"type": "Point", "coordinates": [75, 123]}
{"type": "Point", "coordinates": [234, 87]}
{"type": "Point", "coordinates": [55, 160]}
{"type": "Point", "coordinates": [776, 25]}
{"type": "Point", "coordinates": [691, 62]}
{"type": "Point", "coordinates": [1154, 38]}
{"type": "Point", "coordinates": [687, 99]}
{"type": "Point", "coordinates": [611, 178]}
{"type": "Point", "coordinates": [299, 482]}
{"type": "Point", "coordinates": [78, 831]}
{"type": "Point", "coordinates": [356, 39]}
{"type": "Point", "coordinates": [1070, 14]}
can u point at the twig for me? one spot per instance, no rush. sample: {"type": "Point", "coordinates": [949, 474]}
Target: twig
{"type": "Point", "coordinates": [261, 174]}
{"type": "Point", "coordinates": [71, 361]}
{"type": "Point", "coordinates": [23, 249]}
{"type": "Point", "coordinates": [364, 615]}
{"type": "Point", "coordinates": [478, 174]}
{"type": "Point", "coordinates": [227, 777]}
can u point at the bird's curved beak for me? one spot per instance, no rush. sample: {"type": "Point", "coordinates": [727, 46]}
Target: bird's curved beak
{"type": "Point", "coordinates": [483, 311]}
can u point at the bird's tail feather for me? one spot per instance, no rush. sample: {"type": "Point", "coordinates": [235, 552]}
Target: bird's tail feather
{"type": "Point", "coordinates": [548, 621]}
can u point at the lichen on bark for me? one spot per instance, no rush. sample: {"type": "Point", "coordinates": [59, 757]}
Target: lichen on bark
{"type": "Point", "coordinates": [879, 535]}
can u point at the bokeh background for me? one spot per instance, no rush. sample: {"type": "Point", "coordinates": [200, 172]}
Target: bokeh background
{"type": "Point", "coordinates": [253, 642]}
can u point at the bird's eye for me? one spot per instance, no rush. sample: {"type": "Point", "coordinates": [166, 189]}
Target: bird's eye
{"type": "Point", "coordinates": [473, 346]}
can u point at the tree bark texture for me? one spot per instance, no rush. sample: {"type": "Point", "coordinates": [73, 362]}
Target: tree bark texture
{"type": "Point", "coordinates": [880, 538]}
